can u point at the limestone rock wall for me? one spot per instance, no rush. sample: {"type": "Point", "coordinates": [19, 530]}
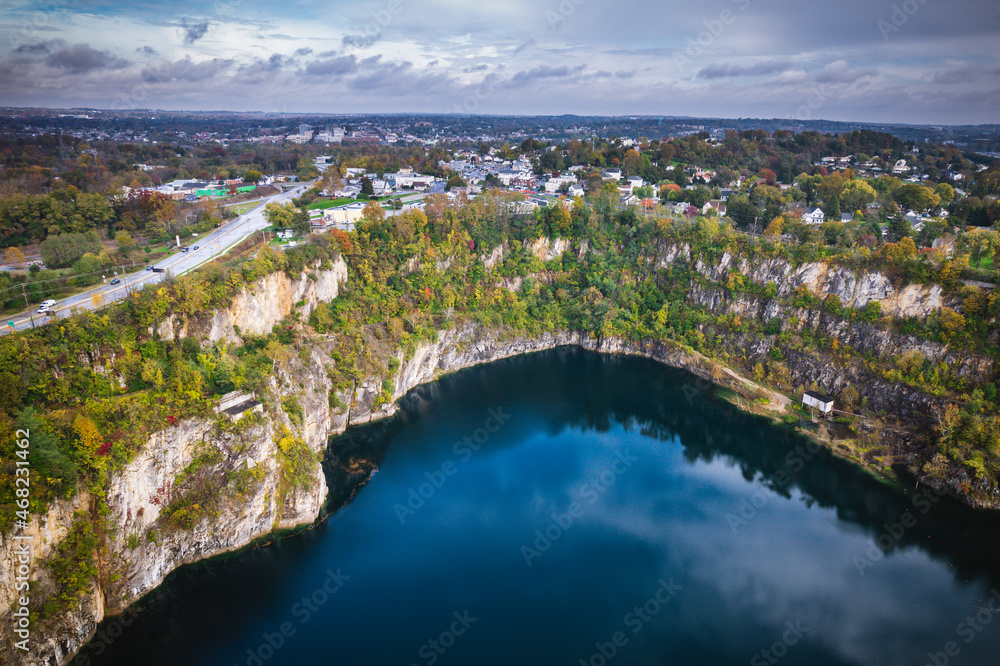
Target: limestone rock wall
{"type": "Point", "coordinates": [258, 307]}
{"type": "Point", "coordinates": [823, 280]}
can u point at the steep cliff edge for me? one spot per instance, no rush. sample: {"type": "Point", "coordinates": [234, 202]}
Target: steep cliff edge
{"type": "Point", "coordinates": [822, 279]}
{"type": "Point", "coordinates": [143, 545]}
{"type": "Point", "coordinates": [209, 485]}
{"type": "Point", "coordinates": [205, 486]}
{"type": "Point", "coordinates": [257, 308]}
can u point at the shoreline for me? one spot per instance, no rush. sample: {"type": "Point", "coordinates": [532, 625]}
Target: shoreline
{"type": "Point", "coordinates": [450, 354]}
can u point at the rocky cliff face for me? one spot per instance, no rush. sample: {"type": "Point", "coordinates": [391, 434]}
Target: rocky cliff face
{"type": "Point", "coordinates": [469, 345]}
{"type": "Point", "coordinates": [547, 249]}
{"type": "Point", "coordinates": [861, 336]}
{"type": "Point", "coordinates": [823, 280]}
{"type": "Point", "coordinates": [143, 546]}
{"type": "Point", "coordinates": [256, 309]}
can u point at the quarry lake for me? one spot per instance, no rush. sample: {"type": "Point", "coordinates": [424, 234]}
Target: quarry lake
{"type": "Point", "coordinates": [572, 508]}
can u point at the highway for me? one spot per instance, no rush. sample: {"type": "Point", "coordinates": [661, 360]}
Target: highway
{"type": "Point", "coordinates": [209, 245]}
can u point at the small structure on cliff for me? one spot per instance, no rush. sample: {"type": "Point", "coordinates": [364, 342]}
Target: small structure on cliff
{"type": "Point", "coordinates": [818, 401]}
{"type": "Point", "coordinates": [236, 403]}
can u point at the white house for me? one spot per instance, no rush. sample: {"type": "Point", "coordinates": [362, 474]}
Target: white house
{"type": "Point", "coordinates": [813, 216]}
{"type": "Point", "coordinates": [381, 188]}
{"type": "Point", "coordinates": [635, 182]}
{"type": "Point", "coordinates": [555, 183]}
{"type": "Point", "coordinates": [715, 204]}
{"type": "Point", "coordinates": [818, 401]}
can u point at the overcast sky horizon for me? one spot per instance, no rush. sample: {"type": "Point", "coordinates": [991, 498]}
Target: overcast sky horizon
{"type": "Point", "coordinates": [881, 61]}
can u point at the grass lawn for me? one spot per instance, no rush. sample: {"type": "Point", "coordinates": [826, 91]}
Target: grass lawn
{"type": "Point", "coordinates": [986, 263]}
{"type": "Point", "coordinates": [323, 204]}
{"type": "Point", "coordinates": [243, 208]}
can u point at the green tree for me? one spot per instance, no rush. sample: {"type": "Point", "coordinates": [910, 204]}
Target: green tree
{"type": "Point", "coordinates": [644, 192]}
{"type": "Point", "coordinates": [832, 208]}
{"type": "Point", "coordinates": [63, 250]}
{"type": "Point", "coordinates": [280, 216]}
{"type": "Point", "coordinates": [899, 228]}
{"type": "Point", "coordinates": [366, 187]}
{"type": "Point", "coordinates": [124, 241]}
{"type": "Point", "coordinates": [946, 193]}
{"type": "Point", "coordinates": [741, 211]}
{"type": "Point", "coordinates": [916, 197]}
{"type": "Point", "coordinates": [856, 195]}
{"type": "Point", "coordinates": [981, 242]}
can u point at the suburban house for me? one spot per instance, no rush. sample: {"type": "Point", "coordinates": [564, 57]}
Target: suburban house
{"type": "Point", "coordinates": [635, 182]}
{"type": "Point", "coordinates": [813, 216]}
{"type": "Point", "coordinates": [555, 183]}
{"type": "Point", "coordinates": [715, 204]}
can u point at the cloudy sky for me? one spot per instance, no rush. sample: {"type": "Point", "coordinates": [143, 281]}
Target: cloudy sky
{"type": "Point", "coordinates": [918, 61]}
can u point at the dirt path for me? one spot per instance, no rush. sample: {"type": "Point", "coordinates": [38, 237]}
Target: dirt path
{"type": "Point", "coordinates": [778, 402]}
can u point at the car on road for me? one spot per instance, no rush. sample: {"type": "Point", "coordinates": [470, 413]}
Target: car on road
{"type": "Point", "coordinates": [116, 281]}
{"type": "Point", "coordinates": [47, 303]}
{"type": "Point", "coordinates": [149, 268]}
{"type": "Point", "coordinates": [185, 249]}
{"type": "Point", "coordinates": [194, 248]}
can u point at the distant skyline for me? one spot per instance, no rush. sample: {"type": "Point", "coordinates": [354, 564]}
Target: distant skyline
{"type": "Point", "coordinates": [915, 61]}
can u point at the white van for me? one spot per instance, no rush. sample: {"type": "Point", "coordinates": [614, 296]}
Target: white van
{"type": "Point", "coordinates": [44, 307]}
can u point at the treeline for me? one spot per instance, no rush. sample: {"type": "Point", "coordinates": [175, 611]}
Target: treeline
{"type": "Point", "coordinates": [101, 382]}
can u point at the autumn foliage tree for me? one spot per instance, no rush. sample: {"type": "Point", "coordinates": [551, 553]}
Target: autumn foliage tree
{"type": "Point", "coordinates": [142, 210]}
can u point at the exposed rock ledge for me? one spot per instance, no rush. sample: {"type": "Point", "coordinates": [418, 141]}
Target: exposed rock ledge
{"type": "Point", "coordinates": [135, 496]}
{"type": "Point", "coordinates": [256, 309]}
{"type": "Point", "coordinates": [139, 570]}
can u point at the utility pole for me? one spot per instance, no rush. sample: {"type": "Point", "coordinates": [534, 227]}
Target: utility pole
{"type": "Point", "coordinates": [125, 281]}
{"type": "Point", "coordinates": [25, 294]}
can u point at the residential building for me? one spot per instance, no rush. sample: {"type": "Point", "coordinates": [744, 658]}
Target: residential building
{"type": "Point", "coordinates": [813, 216]}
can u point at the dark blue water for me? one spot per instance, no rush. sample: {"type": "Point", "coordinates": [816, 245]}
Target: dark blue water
{"type": "Point", "coordinates": [617, 513]}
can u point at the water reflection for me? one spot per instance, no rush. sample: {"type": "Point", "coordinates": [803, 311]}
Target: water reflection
{"type": "Point", "coordinates": [761, 534]}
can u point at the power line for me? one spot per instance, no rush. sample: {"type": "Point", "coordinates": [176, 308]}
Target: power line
{"type": "Point", "coordinates": [64, 277]}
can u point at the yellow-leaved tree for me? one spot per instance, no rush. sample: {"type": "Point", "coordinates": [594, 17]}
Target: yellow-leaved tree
{"type": "Point", "coordinates": [89, 438]}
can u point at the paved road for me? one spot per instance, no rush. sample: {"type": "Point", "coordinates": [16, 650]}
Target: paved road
{"type": "Point", "coordinates": [209, 246]}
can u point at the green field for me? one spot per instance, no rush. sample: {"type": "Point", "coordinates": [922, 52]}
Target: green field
{"type": "Point", "coordinates": [985, 264]}
{"type": "Point", "coordinates": [243, 208]}
{"type": "Point", "coordinates": [323, 204]}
